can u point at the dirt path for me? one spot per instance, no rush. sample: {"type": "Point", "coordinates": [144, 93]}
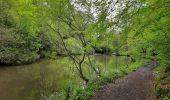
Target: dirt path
{"type": "Point", "coordinates": [135, 86]}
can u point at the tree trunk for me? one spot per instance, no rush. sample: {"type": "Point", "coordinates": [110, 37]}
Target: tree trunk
{"type": "Point", "coordinates": [82, 76]}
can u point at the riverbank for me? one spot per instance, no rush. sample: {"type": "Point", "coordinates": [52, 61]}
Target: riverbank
{"type": "Point", "coordinates": [90, 90]}
{"type": "Point", "coordinates": [135, 86]}
{"type": "Point", "coordinates": [25, 59]}
{"type": "Point", "coordinates": [76, 91]}
{"type": "Point", "coordinates": [52, 78]}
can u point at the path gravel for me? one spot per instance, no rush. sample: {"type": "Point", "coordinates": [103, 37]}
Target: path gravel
{"type": "Point", "coordinates": [135, 86]}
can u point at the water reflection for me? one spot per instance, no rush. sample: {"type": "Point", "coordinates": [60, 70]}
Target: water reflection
{"type": "Point", "coordinates": [45, 77]}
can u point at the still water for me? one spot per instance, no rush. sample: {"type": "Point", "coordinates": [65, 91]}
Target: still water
{"type": "Point", "coordinates": [45, 77]}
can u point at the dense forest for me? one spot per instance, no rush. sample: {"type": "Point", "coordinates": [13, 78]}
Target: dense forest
{"type": "Point", "coordinates": [31, 30]}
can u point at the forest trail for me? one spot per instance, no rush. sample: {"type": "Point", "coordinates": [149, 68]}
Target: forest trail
{"type": "Point", "coordinates": [135, 86]}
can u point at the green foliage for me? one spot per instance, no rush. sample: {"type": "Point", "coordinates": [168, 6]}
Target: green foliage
{"type": "Point", "coordinates": [17, 56]}
{"type": "Point", "coordinates": [22, 38]}
{"type": "Point", "coordinates": [162, 80]}
{"type": "Point", "coordinates": [30, 29]}
{"type": "Point", "coordinates": [149, 38]}
{"type": "Point", "coordinates": [85, 92]}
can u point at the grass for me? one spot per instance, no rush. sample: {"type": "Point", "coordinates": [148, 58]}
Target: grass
{"type": "Point", "coordinates": [162, 83]}
{"type": "Point", "coordinates": [88, 91]}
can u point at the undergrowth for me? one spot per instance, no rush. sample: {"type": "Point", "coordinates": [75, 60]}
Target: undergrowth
{"type": "Point", "coordinates": [85, 92]}
{"type": "Point", "coordinates": [162, 83]}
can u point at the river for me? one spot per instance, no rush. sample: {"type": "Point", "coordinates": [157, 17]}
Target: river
{"type": "Point", "coordinates": [47, 76]}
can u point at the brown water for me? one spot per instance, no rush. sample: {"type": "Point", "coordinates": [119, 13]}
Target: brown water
{"type": "Point", "coordinates": [45, 77]}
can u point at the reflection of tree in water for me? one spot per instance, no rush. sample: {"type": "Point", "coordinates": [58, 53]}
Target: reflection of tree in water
{"type": "Point", "coordinates": [46, 78]}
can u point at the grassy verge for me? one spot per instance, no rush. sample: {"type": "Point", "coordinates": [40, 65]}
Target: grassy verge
{"type": "Point", "coordinates": [162, 83]}
{"type": "Point", "coordinates": [87, 91]}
